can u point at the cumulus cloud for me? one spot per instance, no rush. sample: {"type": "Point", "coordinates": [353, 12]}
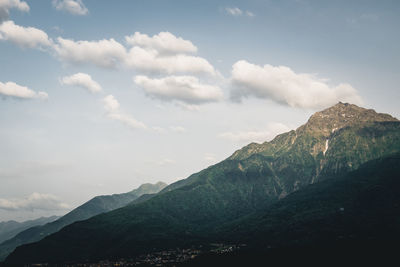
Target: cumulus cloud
{"type": "Point", "coordinates": [11, 89]}
{"type": "Point", "coordinates": [164, 42]}
{"type": "Point", "coordinates": [283, 85]}
{"type": "Point", "coordinates": [103, 53]}
{"type": "Point", "coordinates": [26, 37]}
{"type": "Point", "coordinates": [74, 7]}
{"type": "Point", "coordinates": [112, 107]}
{"type": "Point", "coordinates": [150, 60]}
{"type": "Point", "coordinates": [82, 80]}
{"type": "Point", "coordinates": [267, 134]}
{"type": "Point", "coordinates": [165, 53]}
{"type": "Point", "coordinates": [235, 11]}
{"type": "Point", "coordinates": [6, 5]}
{"type": "Point", "coordinates": [186, 89]}
{"type": "Point", "coordinates": [35, 201]}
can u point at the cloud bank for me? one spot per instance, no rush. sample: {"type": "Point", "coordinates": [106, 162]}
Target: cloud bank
{"type": "Point", "coordinates": [283, 85]}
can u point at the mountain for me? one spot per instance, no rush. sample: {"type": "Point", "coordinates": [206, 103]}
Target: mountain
{"type": "Point", "coordinates": [354, 217]}
{"type": "Point", "coordinates": [11, 228]}
{"type": "Point", "coordinates": [91, 208]}
{"type": "Point", "coordinates": [332, 143]}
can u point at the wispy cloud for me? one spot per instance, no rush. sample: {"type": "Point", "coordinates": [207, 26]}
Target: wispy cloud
{"type": "Point", "coordinates": [112, 107]}
{"type": "Point", "coordinates": [235, 11]}
{"type": "Point", "coordinates": [82, 80]}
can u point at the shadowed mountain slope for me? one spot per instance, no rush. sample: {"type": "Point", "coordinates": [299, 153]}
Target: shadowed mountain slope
{"type": "Point", "coordinates": [91, 208]}
{"type": "Point", "coordinates": [11, 228]}
{"type": "Point", "coordinates": [350, 220]}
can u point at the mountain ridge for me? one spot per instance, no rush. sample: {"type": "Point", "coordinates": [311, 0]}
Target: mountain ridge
{"type": "Point", "coordinates": [94, 206]}
{"type": "Point", "coordinates": [8, 229]}
{"type": "Point", "coordinates": [190, 210]}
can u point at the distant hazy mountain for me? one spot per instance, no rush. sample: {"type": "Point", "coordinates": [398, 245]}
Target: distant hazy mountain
{"type": "Point", "coordinates": [11, 228]}
{"type": "Point", "coordinates": [332, 143]}
{"type": "Point", "coordinates": [91, 208]}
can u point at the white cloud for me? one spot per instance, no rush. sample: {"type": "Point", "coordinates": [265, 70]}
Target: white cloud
{"type": "Point", "coordinates": [74, 7]}
{"type": "Point", "coordinates": [35, 201]}
{"type": "Point", "coordinates": [162, 53]}
{"type": "Point", "coordinates": [112, 106]}
{"type": "Point", "coordinates": [82, 80]}
{"type": "Point", "coordinates": [103, 53]}
{"type": "Point", "coordinates": [164, 42]}
{"type": "Point", "coordinates": [283, 85]}
{"type": "Point", "coordinates": [6, 5]}
{"type": "Point", "coordinates": [26, 37]}
{"type": "Point", "coordinates": [267, 134]}
{"type": "Point", "coordinates": [165, 53]}
{"type": "Point", "coordinates": [151, 61]}
{"type": "Point", "coordinates": [186, 89]}
{"type": "Point", "coordinates": [235, 11]}
{"type": "Point", "coordinates": [11, 89]}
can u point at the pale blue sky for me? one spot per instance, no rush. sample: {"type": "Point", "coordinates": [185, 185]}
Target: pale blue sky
{"type": "Point", "coordinates": [70, 147]}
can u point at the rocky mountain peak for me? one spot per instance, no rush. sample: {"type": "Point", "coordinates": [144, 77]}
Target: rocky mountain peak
{"type": "Point", "coordinates": [341, 115]}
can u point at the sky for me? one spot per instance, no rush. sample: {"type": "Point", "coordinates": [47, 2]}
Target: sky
{"type": "Point", "coordinates": [98, 97]}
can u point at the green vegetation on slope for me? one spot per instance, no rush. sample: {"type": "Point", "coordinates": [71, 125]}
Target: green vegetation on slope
{"type": "Point", "coordinates": [93, 207]}
{"type": "Point", "coordinates": [11, 228]}
{"type": "Point", "coordinates": [353, 219]}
